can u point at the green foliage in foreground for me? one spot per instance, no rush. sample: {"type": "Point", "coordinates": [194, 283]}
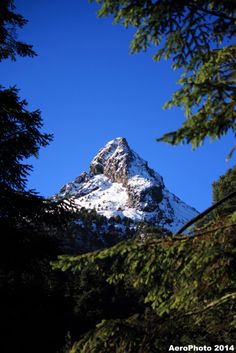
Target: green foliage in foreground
{"type": "Point", "coordinates": [186, 290]}
{"type": "Point", "coordinates": [223, 187]}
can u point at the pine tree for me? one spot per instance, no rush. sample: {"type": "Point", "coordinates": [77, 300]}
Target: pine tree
{"type": "Point", "coordinates": [31, 227]}
{"type": "Point", "coordinates": [10, 21]}
{"type": "Point", "coordinates": [20, 138]}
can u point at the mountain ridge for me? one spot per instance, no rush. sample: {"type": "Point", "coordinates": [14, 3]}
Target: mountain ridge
{"type": "Point", "coordinates": [120, 183]}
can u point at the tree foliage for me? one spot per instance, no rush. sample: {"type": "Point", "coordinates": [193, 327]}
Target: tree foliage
{"type": "Point", "coordinates": [185, 288]}
{"type": "Point", "coordinates": [223, 187]}
{"type": "Point", "coordinates": [198, 37]}
{"type": "Point", "coordinates": [31, 292]}
{"type": "Point", "coordinates": [10, 21]}
{"type": "Point", "coordinates": [20, 138]}
{"type": "Point", "coordinates": [31, 227]}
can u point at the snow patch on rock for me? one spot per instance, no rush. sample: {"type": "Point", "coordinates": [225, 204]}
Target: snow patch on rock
{"type": "Point", "coordinates": [120, 183]}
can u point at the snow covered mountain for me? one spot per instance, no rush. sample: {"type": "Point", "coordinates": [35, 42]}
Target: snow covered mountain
{"type": "Point", "coordinates": [120, 183]}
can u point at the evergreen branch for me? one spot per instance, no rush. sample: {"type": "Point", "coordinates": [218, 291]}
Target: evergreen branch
{"type": "Point", "coordinates": [212, 304]}
{"type": "Point", "coordinates": [203, 233]}
{"type": "Point", "coordinates": [13, 135]}
{"type": "Point", "coordinates": [204, 213]}
{"type": "Point", "coordinates": [231, 153]}
{"type": "Point", "coordinates": [211, 12]}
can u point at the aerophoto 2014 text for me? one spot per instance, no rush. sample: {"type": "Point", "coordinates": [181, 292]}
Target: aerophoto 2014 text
{"type": "Point", "coordinates": [205, 348]}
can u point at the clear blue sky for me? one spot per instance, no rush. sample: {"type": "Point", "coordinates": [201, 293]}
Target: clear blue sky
{"type": "Point", "coordinates": [91, 90]}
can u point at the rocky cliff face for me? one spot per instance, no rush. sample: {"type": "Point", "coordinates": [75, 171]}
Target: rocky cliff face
{"type": "Point", "coordinates": [120, 183]}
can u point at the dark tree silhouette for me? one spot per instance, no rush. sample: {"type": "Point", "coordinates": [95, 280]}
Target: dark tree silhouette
{"type": "Point", "coordinates": [10, 21]}
{"type": "Point", "coordinates": [31, 226]}
{"type": "Point", "coordinates": [20, 138]}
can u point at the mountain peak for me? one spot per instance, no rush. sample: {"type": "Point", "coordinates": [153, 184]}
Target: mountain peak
{"type": "Point", "coordinates": [118, 141]}
{"type": "Point", "coordinates": [118, 162]}
{"type": "Point", "coordinates": [111, 158]}
{"type": "Point", "coordinates": [121, 183]}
